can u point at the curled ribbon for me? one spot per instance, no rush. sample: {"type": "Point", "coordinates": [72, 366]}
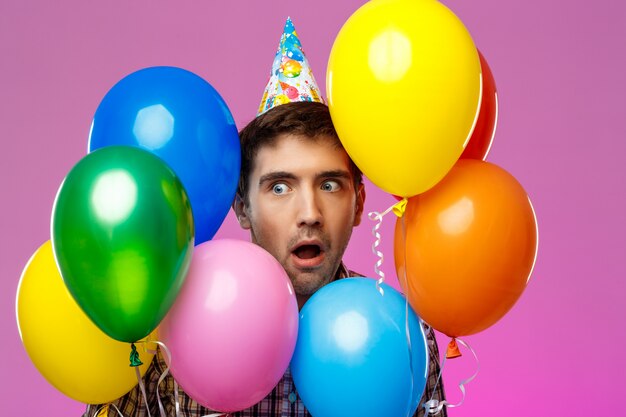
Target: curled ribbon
{"type": "Point", "coordinates": [162, 378]}
{"type": "Point", "coordinates": [142, 387]}
{"type": "Point", "coordinates": [398, 210]}
{"type": "Point", "coordinates": [134, 359]}
{"type": "Point", "coordinates": [433, 406]}
{"type": "Point", "coordinates": [168, 354]}
{"type": "Point", "coordinates": [135, 362]}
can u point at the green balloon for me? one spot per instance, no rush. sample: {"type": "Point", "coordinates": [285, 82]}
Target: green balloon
{"type": "Point", "coordinates": [122, 234]}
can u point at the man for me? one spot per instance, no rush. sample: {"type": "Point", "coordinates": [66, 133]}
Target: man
{"type": "Point", "coordinates": [300, 195]}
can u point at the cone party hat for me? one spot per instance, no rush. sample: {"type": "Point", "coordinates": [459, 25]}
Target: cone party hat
{"type": "Point", "coordinates": [291, 78]}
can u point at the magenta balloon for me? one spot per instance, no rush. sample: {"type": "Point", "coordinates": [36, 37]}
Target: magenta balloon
{"type": "Point", "coordinates": [233, 327]}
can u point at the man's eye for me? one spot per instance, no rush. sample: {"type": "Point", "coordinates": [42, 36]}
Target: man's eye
{"type": "Point", "coordinates": [279, 189]}
{"type": "Point", "coordinates": [330, 186]}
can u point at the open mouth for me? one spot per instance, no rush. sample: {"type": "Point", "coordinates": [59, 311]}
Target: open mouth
{"type": "Point", "coordinates": [307, 251]}
{"type": "Point", "coordinates": [308, 255]}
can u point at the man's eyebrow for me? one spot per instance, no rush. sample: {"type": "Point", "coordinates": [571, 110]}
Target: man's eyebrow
{"type": "Point", "coordinates": [276, 175]}
{"type": "Point", "coordinates": [337, 173]}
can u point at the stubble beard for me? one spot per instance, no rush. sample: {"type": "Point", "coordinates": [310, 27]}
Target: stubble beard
{"type": "Point", "coordinates": [306, 282]}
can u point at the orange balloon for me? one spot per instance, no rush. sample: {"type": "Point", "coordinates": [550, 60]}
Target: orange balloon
{"type": "Point", "coordinates": [468, 247]}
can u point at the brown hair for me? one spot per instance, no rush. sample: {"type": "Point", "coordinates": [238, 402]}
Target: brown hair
{"type": "Point", "coordinates": [303, 118]}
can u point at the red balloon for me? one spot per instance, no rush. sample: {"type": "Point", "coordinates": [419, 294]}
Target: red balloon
{"type": "Point", "coordinates": [480, 142]}
{"type": "Point", "coordinates": [485, 129]}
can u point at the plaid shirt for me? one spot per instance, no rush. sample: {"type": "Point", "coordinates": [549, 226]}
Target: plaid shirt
{"type": "Point", "coordinates": [283, 401]}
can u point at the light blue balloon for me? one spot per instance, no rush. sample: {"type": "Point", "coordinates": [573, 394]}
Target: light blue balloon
{"type": "Point", "coordinates": [181, 118]}
{"type": "Point", "coordinates": [352, 355]}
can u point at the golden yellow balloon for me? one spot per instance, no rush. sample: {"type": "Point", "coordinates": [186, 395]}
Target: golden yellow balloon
{"type": "Point", "coordinates": [404, 89]}
{"type": "Point", "coordinates": [69, 350]}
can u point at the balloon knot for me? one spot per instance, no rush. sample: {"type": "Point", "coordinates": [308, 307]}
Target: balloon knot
{"type": "Point", "coordinates": [134, 356]}
{"type": "Point", "coordinates": [400, 207]}
{"type": "Point", "coordinates": [453, 350]}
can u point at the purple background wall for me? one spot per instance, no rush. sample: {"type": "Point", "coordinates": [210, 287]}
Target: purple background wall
{"type": "Point", "coordinates": [559, 67]}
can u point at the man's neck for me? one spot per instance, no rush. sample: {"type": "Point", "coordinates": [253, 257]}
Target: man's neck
{"type": "Point", "coordinates": [302, 299]}
{"type": "Point", "coordinates": [342, 272]}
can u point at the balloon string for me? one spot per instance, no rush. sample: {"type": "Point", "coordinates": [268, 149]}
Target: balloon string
{"type": "Point", "coordinates": [434, 406]}
{"type": "Point", "coordinates": [168, 354]}
{"type": "Point", "coordinates": [407, 330]}
{"type": "Point", "coordinates": [142, 387]}
{"type": "Point", "coordinates": [398, 210]}
{"type": "Point", "coordinates": [163, 375]}
{"type": "Point", "coordinates": [471, 378]}
{"type": "Point", "coordinates": [176, 400]}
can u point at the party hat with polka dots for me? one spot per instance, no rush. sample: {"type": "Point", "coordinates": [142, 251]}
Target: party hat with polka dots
{"type": "Point", "coordinates": [291, 78]}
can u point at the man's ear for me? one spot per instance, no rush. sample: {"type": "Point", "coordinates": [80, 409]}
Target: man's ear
{"type": "Point", "coordinates": [239, 206]}
{"type": "Point", "coordinates": [360, 204]}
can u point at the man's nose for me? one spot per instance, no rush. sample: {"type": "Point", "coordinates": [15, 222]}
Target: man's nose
{"type": "Point", "coordinates": [309, 210]}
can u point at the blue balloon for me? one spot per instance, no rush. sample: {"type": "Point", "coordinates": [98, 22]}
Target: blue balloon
{"type": "Point", "coordinates": [181, 118]}
{"type": "Point", "coordinates": [352, 356]}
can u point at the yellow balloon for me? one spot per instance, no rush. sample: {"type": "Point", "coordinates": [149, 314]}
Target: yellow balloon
{"type": "Point", "coordinates": [69, 350]}
{"type": "Point", "coordinates": [404, 87]}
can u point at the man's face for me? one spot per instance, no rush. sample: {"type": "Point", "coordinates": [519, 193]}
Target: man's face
{"type": "Point", "coordinates": [302, 206]}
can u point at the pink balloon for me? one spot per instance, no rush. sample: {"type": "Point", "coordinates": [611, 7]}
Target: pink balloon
{"type": "Point", "coordinates": [233, 327]}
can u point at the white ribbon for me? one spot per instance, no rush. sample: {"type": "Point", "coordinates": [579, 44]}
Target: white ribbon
{"type": "Point", "coordinates": [433, 406]}
{"type": "Point", "coordinates": [142, 387]}
{"type": "Point", "coordinates": [168, 354]}
{"type": "Point", "coordinates": [378, 218]}
{"type": "Point", "coordinates": [406, 315]}
{"type": "Point", "coordinates": [163, 376]}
